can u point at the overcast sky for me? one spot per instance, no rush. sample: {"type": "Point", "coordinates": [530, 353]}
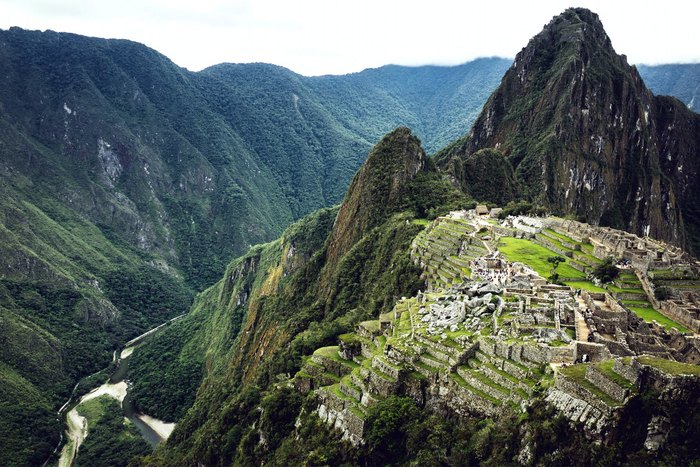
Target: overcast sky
{"type": "Point", "coordinates": [315, 37]}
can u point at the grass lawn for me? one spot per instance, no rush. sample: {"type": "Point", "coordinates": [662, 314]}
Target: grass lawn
{"type": "Point", "coordinates": [668, 366]}
{"type": "Point", "coordinates": [647, 314]}
{"type": "Point", "coordinates": [619, 290]}
{"type": "Point", "coordinates": [423, 222]}
{"type": "Point", "coordinates": [535, 256]}
{"type": "Point", "coordinates": [585, 285]}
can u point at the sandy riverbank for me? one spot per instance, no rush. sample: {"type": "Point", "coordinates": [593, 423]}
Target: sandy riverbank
{"type": "Point", "coordinates": [77, 424]}
{"type": "Point", "coordinates": [126, 352]}
{"type": "Point", "coordinates": [163, 429]}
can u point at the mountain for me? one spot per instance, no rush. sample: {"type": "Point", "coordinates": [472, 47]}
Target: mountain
{"type": "Point", "coordinates": [128, 184]}
{"type": "Point", "coordinates": [681, 80]}
{"type": "Point", "coordinates": [571, 127]}
{"type": "Point", "coordinates": [585, 137]}
{"type": "Point", "coordinates": [329, 271]}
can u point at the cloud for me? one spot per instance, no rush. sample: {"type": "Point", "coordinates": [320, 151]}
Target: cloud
{"type": "Point", "coordinates": [331, 37]}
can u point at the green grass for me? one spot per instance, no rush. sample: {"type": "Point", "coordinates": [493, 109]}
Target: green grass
{"type": "Point", "coordinates": [585, 285]}
{"type": "Point", "coordinates": [503, 373]}
{"type": "Point", "coordinates": [332, 353]}
{"type": "Point", "coordinates": [619, 290]}
{"type": "Point", "coordinates": [674, 368]}
{"type": "Point", "coordinates": [335, 389]}
{"type": "Point", "coordinates": [423, 222]}
{"type": "Point", "coordinates": [535, 256]}
{"type": "Point", "coordinates": [360, 414]}
{"type": "Point", "coordinates": [425, 367]}
{"type": "Point", "coordinates": [648, 314]}
{"type": "Point", "coordinates": [372, 326]}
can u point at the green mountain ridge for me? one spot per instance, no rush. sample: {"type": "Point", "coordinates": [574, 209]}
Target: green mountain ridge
{"type": "Point", "coordinates": [129, 184]}
{"type": "Point", "coordinates": [288, 315]}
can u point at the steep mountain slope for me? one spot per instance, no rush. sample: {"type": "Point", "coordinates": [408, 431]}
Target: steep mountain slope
{"type": "Point", "coordinates": [586, 137]}
{"type": "Point", "coordinates": [327, 273]}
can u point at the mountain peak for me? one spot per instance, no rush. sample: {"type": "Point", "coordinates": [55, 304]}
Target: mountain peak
{"type": "Point", "coordinates": [377, 186]}
{"type": "Point", "coordinates": [584, 134]}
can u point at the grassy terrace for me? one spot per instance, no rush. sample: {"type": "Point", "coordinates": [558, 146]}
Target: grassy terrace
{"type": "Point", "coordinates": [585, 285]}
{"type": "Point", "coordinates": [332, 353]}
{"type": "Point", "coordinates": [577, 373]}
{"type": "Point", "coordinates": [606, 368]}
{"type": "Point", "coordinates": [535, 256]}
{"type": "Point", "coordinates": [648, 314]}
{"type": "Point", "coordinates": [668, 366]}
{"type": "Point", "coordinates": [464, 384]}
{"type": "Point", "coordinates": [586, 248]}
{"type": "Point", "coordinates": [619, 290]}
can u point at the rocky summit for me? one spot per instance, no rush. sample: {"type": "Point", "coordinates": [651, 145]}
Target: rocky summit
{"type": "Point", "coordinates": [587, 138]}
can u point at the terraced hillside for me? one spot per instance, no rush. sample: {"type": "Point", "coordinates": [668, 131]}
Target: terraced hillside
{"type": "Point", "coordinates": [492, 347]}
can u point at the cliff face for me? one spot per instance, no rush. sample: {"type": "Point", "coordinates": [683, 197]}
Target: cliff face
{"type": "Point", "coordinates": [586, 137]}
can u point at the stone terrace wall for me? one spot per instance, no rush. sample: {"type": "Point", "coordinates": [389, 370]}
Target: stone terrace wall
{"type": "Point", "coordinates": [605, 384]}
{"type": "Point", "coordinates": [629, 372]}
{"type": "Point", "coordinates": [595, 352]}
{"type": "Point", "coordinates": [680, 314]}
{"type": "Point", "coordinates": [578, 391]}
{"type": "Point", "coordinates": [662, 381]}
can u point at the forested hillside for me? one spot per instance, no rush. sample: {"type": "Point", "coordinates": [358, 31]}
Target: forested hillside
{"type": "Point", "coordinates": [678, 80]}
{"type": "Point", "coordinates": [129, 183]}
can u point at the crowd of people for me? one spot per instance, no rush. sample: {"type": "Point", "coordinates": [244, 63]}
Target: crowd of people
{"type": "Point", "coordinates": [497, 276]}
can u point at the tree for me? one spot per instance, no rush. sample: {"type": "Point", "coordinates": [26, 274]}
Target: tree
{"type": "Point", "coordinates": [607, 271]}
{"type": "Point", "coordinates": [555, 260]}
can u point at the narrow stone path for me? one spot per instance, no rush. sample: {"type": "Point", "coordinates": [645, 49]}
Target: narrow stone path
{"type": "Point", "coordinates": [581, 325]}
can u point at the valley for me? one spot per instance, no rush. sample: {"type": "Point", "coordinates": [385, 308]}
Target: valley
{"type": "Point", "coordinates": [406, 265]}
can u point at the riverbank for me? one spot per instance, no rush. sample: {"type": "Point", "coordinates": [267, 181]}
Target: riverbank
{"type": "Point", "coordinates": [117, 388]}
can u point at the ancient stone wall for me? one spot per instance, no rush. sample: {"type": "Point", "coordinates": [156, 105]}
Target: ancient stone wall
{"type": "Point", "coordinates": [565, 384]}
{"type": "Point", "coordinates": [605, 384]}
{"type": "Point", "coordinates": [595, 352]}
{"type": "Point", "coordinates": [680, 314]}
{"type": "Point", "coordinates": [629, 372]}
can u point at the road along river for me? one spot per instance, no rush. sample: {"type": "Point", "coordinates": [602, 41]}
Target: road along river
{"type": "Point", "coordinates": [152, 430]}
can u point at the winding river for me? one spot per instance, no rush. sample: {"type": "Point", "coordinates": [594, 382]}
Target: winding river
{"type": "Point", "coordinates": [152, 430]}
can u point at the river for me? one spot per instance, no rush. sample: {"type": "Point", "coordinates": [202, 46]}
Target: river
{"type": "Point", "coordinates": [152, 430]}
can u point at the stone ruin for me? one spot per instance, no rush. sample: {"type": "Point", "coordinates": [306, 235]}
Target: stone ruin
{"type": "Point", "coordinates": [471, 307]}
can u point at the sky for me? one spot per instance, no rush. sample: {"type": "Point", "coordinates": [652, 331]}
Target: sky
{"type": "Point", "coordinates": [318, 37]}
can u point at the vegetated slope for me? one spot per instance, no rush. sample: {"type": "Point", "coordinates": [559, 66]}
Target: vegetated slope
{"type": "Point", "coordinates": [681, 80]}
{"type": "Point", "coordinates": [300, 292]}
{"type": "Point", "coordinates": [586, 137]}
{"type": "Point", "coordinates": [127, 182]}
{"type": "Point", "coordinates": [438, 103]}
